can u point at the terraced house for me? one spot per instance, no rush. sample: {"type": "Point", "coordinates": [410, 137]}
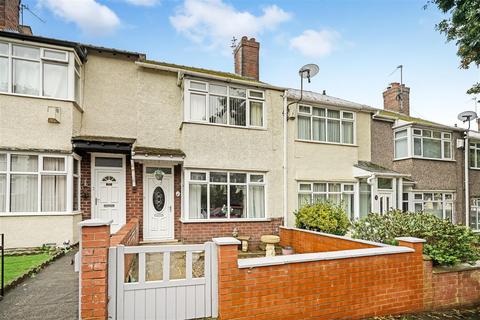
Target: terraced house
{"type": "Point", "coordinates": [92, 132]}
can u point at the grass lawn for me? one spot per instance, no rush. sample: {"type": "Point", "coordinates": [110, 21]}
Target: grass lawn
{"type": "Point", "coordinates": [16, 266]}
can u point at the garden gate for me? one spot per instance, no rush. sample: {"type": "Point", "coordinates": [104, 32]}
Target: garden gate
{"type": "Point", "coordinates": [163, 282]}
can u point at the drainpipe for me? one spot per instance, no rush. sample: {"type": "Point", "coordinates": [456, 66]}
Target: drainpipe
{"type": "Point", "coordinates": [132, 169]}
{"type": "Point", "coordinates": [285, 160]}
{"type": "Point", "coordinates": [467, 191]}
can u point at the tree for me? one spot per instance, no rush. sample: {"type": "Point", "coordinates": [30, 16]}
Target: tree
{"type": "Point", "coordinates": [463, 27]}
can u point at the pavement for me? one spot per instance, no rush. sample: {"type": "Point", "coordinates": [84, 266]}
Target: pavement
{"type": "Point", "coordinates": [50, 294]}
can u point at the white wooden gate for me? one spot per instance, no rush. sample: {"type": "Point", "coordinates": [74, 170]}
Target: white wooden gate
{"type": "Point", "coordinates": [163, 282]}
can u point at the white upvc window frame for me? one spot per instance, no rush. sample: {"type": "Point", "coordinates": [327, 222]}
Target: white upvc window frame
{"type": "Point", "coordinates": [69, 61]}
{"type": "Point", "coordinates": [411, 136]}
{"type": "Point", "coordinates": [474, 163]}
{"type": "Point", "coordinates": [206, 93]}
{"type": "Point", "coordinates": [67, 172]}
{"type": "Point", "coordinates": [475, 209]}
{"type": "Point", "coordinates": [343, 191]}
{"type": "Point", "coordinates": [342, 119]}
{"type": "Point", "coordinates": [208, 183]}
{"type": "Point", "coordinates": [414, 200]}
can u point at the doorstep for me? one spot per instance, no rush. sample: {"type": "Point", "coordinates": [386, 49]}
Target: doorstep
{"type": "Point", "coordinates": [160, 242]}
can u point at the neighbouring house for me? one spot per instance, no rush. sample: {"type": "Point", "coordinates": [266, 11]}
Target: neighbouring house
{"type": "Point", "coordinates": [431, 156]}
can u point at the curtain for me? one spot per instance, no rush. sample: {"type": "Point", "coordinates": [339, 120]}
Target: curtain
{"type": "Point", "coordinates": [55, 80]}
{"type": "Point", "coordinates": [238, 112]}
{"type": "Point", "coordinates": [318, 129]}
{"type": "Point", "coordinates": [75, 197]}
{"type": "Point", "coordinates": [447, 152]}
{"type": "Point", "coordinates": [417, 146]}
{"type": "Point", "coordinates": [347, 128]}
{"type": "Point", "coordinates": [24, 163]}
{"type": "Point", "coordinates": [348, 203]}
{"type": "Point", "coordinates": [401, 148]}
{"type": "Point", "coordinates": [3, 162]}
{"type": "Point", "coordinates": [197, 201]}
{"type": "Point", "coordinates": [3, 190]}
{"type": "Point", "coordinates": [256, 206]}
{"type": "Point", "coordinates": [333, 131]}
{"type": "Point", "coordinates": [26, 76]}
{"type": "Point", "coordinates": [365, 199]}
{"type": "Point", "coordinates": [53, 164]}
{"type": "Point", "coordinates": [304, 199]}
{"type": "Point", "coordinates": [3, 74]}
{"type": "Point", "coordinates": [197, 106]}
{"type": "Point", "coordinates": [23, 193]}
{"type": "Point", "coordinates": [304, 128]}
{"type": "Point", "coordinates": [432, 148]}
{"type": "Point", "coordinates": [54, 193]}
{"type": "Point", "coordinates": [218, 109]}
{"type": "Point", "coordinates": [256, 113]}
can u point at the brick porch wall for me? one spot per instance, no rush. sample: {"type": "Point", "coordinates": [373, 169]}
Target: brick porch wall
{"type": "Point", "coordinates": [134, 195]}
{"type": "Point", "coordinates": [86, 186]}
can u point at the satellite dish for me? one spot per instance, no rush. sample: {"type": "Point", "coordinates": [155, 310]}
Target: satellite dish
{"type": "Point", "coordinates": [308, 71]}
{"type": "Point", "coordinates": [467, 116]}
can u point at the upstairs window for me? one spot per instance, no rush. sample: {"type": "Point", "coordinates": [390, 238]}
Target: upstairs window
{"type": "Point", "coordinates": [36, 71]}
{"type": "Point", "coordinates": [222, 104]}
{"type": "Point", "coordinates": [423, 143]}
{"type": "Point", "coordinates": [475, 155]}
{"type": "Point", "coordinates": [325, 125]}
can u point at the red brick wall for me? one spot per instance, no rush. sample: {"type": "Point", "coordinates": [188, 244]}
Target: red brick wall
{"type": "Point", "coordinates": [95, 242]}
{"type": "Point", "coordinates": [202, 232]}
{"type": "Point", "coordinates": [449, 289]}
{"type": "Point", "coordinates": [9, 14]}
{"type": "Point", "coordinates": [86, 187]}
{"type": "Point", "coordinates": [128, 235]}
{"type": "Point", "coordinates": [308, 242]}
{"type": "Point", "coordinates": [134, 195]}
{"type": "Point", "coordinates": [177, 188]}
{"type": "Point", "coordinates": [352, 288]}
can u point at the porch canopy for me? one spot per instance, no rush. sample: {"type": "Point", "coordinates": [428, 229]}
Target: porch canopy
{"type": "Point", "coordinates": [159, 154]}
{"type": "Point", "coordinates": [82, 144]}
{"type": "Point", "coordinates": [366, 169]}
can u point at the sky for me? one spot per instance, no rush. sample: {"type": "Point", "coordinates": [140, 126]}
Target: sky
{"type": "Point", "coordinates": [357, 44]}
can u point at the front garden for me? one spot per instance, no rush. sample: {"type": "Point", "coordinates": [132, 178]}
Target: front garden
{"type": "Point", "coordinates": [446, 243]}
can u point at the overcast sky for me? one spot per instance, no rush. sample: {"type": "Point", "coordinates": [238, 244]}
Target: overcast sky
{"type": "Point", "coordinates": [357, 44]}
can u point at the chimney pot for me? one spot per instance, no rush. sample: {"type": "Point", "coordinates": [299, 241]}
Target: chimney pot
{"type": "Point", "coordinates": [246, 56]}
{"type": "Point", "coordinates": [397, 98]}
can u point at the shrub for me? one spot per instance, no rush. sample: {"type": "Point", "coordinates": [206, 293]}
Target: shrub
{"type": "Point", "coordinates": [323, 216]}
{"type": "Point", "coordinates": [447, 243]}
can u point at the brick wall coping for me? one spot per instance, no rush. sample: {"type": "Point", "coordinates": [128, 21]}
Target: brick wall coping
{"type": "Point", "coordinates": [377, 244]}
{"type": "Point", "coordinates": [456, 268]}
{"type": "Point", "coordinates": [411, 239]}
{"type": "Point", "coordinates": [224, 241]}
{"type": "Point", "coordinates": [95, 223]}
{"type": "Point", "coordinates": [320, 256]}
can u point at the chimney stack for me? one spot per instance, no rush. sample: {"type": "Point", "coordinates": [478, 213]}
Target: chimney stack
{"type": "Point", "coordinates": [10, 17]}
{"type": "Point", "coordinates": [247, 58]}
{"type": "Point", "coordinates": [397, 98]}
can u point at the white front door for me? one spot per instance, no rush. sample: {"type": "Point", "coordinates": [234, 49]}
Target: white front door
{"type": "Point", "coordinates": [109, 191]}
{"type": "Point", "coordinates": [158, 215]}
{"type": "Point", "coordinates": [385, 201]}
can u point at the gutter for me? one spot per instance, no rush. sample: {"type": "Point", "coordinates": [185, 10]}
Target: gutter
{"type": "Point", "coordinates": [207, 76]}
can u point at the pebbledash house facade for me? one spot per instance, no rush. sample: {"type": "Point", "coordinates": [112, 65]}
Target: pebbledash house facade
{"type": "Point", "coordinates": [92, 132]}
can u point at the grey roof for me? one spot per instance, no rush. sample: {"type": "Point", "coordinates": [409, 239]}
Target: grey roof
{"type": "Point", "coordinates": [315, 97]}
{"type": "Point", "coordinates": [375, 168]}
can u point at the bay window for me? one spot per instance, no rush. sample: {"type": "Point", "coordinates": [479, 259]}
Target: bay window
{"type": "Point", "coordinates": [218, 103]}
{"type": "Point", "coordinates": [475, 155]}
{"type": "Point", "coordinates": [338, 193]}
{"type": "Point", "coordinates": [325, 125]}
{"type": "Point", "coordinates": [423, 143]}
{"type": "Point", "coordinates": [436, 203]}
{"type": "Point", "coordinates": [38, 71]}
{"type": "Point", "coordinates": [32, 183]}
{"type": "Point", "coordinates": [225, 195]}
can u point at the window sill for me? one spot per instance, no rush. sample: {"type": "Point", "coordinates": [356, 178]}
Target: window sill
{"type": "Point", "coordinates": [38, 214]}
{"type": "Point", "coordinates": [36, 97]}
{"type": "Point", "coordinates": [223, 125]}
{"type": "Point", "coordinates": [475, 169]}
{"type": "Point", "coordinates": [224, 220]}
{"type": "Point", "coordinates": [426, 159]}
{"type": "Point", "coordinates": [328, 143]}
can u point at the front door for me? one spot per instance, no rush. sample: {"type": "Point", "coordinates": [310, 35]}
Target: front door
{"type": "Point", "coordinates": [109, 191]}
{"type": "Point", "coordinates": [159, 211]}
{"type": "Point", "coordinates": [385, 201]}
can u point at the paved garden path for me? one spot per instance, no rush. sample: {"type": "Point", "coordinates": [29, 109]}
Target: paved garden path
{"type": "Point", "coordinates": [51, 294]}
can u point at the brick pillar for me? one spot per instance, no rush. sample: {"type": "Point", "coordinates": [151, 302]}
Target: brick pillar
{"type": "Point", "coordinates": [93, 278]}
{"type": "Point", "coordinates": [227, 266]}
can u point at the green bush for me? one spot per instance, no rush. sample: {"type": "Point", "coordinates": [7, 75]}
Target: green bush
{"type": "Point", "coordinates": [447, 243]}
{"type": "Point", "coordinates": [324, 217]}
